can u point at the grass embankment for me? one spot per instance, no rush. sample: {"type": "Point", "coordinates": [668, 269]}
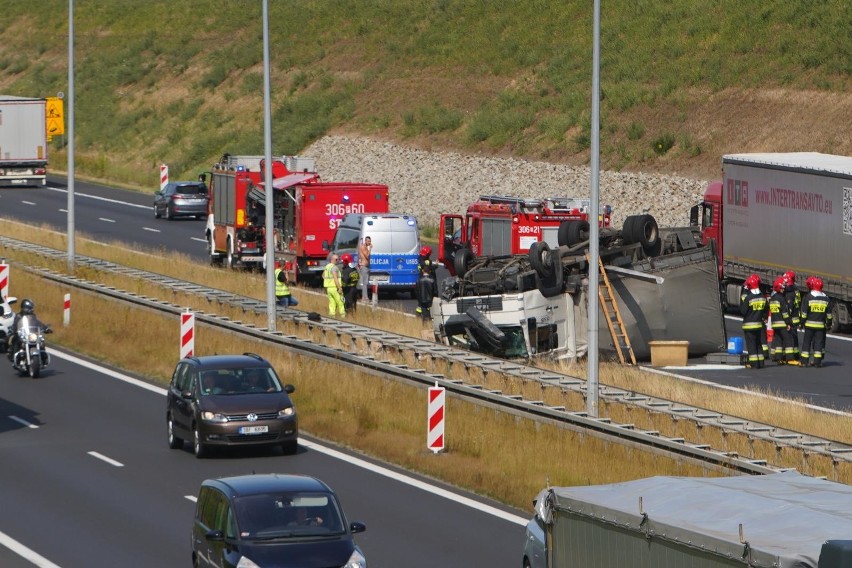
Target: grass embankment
{"type": "Point", "coordinates": [495, 454]}
{"type": "Point", "coordinates": [681, 82]}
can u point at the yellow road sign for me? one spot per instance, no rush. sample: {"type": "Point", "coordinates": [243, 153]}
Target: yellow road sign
{"type": "Point", "coordinates": [55, 116]}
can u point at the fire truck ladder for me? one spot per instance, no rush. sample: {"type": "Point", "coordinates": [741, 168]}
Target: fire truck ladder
{"type": "Point", "coordinates": [613, 317]}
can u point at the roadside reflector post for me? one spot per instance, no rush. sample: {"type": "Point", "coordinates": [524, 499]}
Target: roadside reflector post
{"type": "Point", "coordinates": [435, 419]}
{"type": "Point", "coordinates": [164, 176]}
{"type": "Point", "coordinates": [4, 278]}
{"type": "Point", "coordinates": [187, 334]}
{"type": "Point", "coordinates": [66, 310]}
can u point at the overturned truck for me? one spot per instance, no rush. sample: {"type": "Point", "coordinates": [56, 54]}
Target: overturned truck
{"type": "Point", "coordinates": [663, 281]}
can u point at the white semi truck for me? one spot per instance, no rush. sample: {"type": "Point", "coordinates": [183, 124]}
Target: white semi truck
{"type": "Point", "coordinates": [23, 141]}
{"type": "Point", "coordinates": [775, 212]}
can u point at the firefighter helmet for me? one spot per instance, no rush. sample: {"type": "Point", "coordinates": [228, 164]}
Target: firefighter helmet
{"type": "Point", "coordinates": [810, 282]}
{"type": "Point", "coordinates": [778, 286]}
{"type": "Point", "coordinates": [790, 277]}
{"type": "Point", "coordinates": [346, 258]}
{"type": "Point", "coordinates": [426, 251]}
{"type": "Point", "coordinates": [752, 282]}
{"type": "Point", "coordinates": [817, 284]}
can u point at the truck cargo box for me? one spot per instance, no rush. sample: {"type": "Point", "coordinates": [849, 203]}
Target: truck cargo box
{"type": "Point", "coordinates": [779, 520]}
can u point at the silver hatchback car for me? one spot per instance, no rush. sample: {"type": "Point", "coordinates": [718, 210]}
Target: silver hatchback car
{"type": "Point", "coordinates": [182, 199]}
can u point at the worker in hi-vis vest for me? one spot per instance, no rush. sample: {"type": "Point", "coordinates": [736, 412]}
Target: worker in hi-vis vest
{"type": "Point", "coordinates": [333, 287]}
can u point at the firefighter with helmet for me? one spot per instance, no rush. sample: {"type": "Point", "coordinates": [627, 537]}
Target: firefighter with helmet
{"type": "Point", "coordinates": [351, 278]}
{"type": "Point", "coordinates": [794, 303]}
{"type": "Point", "coordinates": [755, 309]}
{"type": "Point", "coordinates": [816, 319]}
{"type": "Point", "coordinates": [424, 259]}
{"type": "Point", "coordinates": [782, 326]}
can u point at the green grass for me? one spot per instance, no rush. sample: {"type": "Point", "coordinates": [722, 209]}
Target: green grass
{"type": "Point", "coordinates": [181, 82]}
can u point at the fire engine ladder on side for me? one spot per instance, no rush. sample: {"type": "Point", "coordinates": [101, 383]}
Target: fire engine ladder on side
{"type": "Point", "coordinates": [613, 317]}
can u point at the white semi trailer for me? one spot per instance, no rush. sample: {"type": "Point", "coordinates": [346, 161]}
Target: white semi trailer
{"type": "Point", "coordinates": [23, 141]}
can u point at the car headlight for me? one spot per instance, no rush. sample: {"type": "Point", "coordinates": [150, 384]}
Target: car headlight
{"type": "Point", "coordinates": [357, 560]}
{"type": "Point", "coordinates": [208, 416]}
{"type": "Point", "coordinates": [289, 411]}
{"type": "Point", "coordinates": [246, 563]}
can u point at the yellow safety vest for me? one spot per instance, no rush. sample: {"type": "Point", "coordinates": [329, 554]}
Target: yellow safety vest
{"type": "Point", "coordinates": [328, 275]}
{"type": "Point", "coordinates": [281, 288]}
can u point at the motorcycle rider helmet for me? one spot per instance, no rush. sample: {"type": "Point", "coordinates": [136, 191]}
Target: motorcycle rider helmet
{"type": "Point", "coordinates": [817, 284]}
{"type": "Point", "coordinates": [752, 282]}
{"type": "Point", "coordinates": [778, 285]}
{"type": "Point", "coordinates": [346, 258]}
{"type": "Point", "coordinates": [790, 277]}
{"type": "Point", "coordinates": [426, 251]}
{"type": "Point", "coordinates": [27, 307]}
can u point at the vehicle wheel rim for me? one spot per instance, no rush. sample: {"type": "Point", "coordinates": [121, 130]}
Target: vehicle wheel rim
{"type": "Point", "coordinates": [196, 442]}
{"type": "Point", "coordinates": [171, 432]}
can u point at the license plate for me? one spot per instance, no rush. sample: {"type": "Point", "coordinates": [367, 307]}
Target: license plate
{"type": "Point", "coordinates": [380, 278]}
{"type": "Point", "coordinates": [254, 429]}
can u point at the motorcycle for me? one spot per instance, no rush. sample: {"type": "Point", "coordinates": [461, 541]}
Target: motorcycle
{"type": "Point", "coordinates": [31, 356]}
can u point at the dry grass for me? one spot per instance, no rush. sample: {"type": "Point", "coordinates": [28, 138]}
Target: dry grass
{"type": "Point", "coordinates": [497, 454]}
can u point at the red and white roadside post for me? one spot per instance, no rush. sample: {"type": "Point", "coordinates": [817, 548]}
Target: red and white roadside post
{"type": "Point", "coordinates": [164, 176]}
{"type": "Point", "coordinates": [187, 334]}
{"type": "Point", "coordinates": [4, 278]}
{"type": "Point", "coordinates": [435, 434]}
{"type": "Point", "coordinates": [66, 310]}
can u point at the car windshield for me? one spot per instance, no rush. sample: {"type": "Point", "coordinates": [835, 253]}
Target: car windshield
{"type": "Point", "coordinates": [288, 515]}
{"type": "Point", "coordinates": [239, 381]}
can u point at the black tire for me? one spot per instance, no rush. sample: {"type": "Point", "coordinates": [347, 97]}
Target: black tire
{"type": "Point", "coordinates": [200, 450]}
{"type": "Point", "coordinates": [156, 213]}
{"type": "Point", "coordinates": [35, 368]}
{"type": "Point", "coordinates": [175, 442]}
{"type": "Point", "coordinates": [462, 260]}
{"type": "Point", "coordinates": [168, 212]}
{"type": "Point", "coordinates": [627, 230]}
{"type": "Point", "coordinates": [578, 231]}
{"type": "Point", "coordinates": [290, 448]}
{"type": "Point", "coordinates": [541, 259]}
{"type": "Point", "coordinates": [562, 234]}
{"type": "Point", "coordinates": [646, 232]}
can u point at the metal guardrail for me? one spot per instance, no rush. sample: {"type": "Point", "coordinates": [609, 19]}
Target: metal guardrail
{"type": "Point", "coordinates": [537, 410]}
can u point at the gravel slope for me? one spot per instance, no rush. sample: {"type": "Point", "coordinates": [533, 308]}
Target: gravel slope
{"type": "Point", "coordinates": [427, 184]}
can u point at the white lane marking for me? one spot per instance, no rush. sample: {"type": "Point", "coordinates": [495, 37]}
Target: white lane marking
{"type": "Point", "coordinates": [199, 239]}
{"type": "Point", "coordinates": [63, 211]}
{"type": "Point", "coordinates": [102, 457]}
{"type": "Point", "coordinates": [27, 202]}
{"type": "Point", "coordinates": [25, 552]}
{"type": "Point", "coordinates": [150, 229]}
{"type": "Point", "coordinates": [326, 450]}
{"type": "Point", "coordinates": [108, 200]}
{"type": "Point", "coordinates": [105, 219]}
{"type": "Point", "coordinates": [192, 498]}
{"type": "Point", "coordinates": [24, 422]}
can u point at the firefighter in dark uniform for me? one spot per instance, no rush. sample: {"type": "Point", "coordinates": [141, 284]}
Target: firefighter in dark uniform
{"type": "Point", "coordinates": [816, 319]}
{"type": "Point", "coordinates": [424, 259]}
{"type": "Point", "coordinates": [794, 304]}
{"type": "Point", "coordinates": [351, 279]}
{"type": "Point", "coordinates": [782, 326]}
{"type": "Point", "coordinates": [425, 291]}
{"type": "Point", "coordinates": [755, 309]}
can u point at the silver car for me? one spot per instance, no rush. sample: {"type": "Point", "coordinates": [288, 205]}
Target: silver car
{"type": "Point", "coordinates": [182, 199]}
{"type": "Point", "coordinates": [535, 549]}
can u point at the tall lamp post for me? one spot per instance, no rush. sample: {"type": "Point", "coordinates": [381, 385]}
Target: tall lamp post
{"type": "Point", "coordinates": [267, 178]}
{"type": "Point", "coordinates": [594, 233]}
{"type": "Point", "coordinates": [70, 114]}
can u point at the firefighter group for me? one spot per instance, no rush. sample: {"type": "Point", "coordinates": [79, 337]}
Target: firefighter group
{"type": "Point", "coordinates": [785, 312]}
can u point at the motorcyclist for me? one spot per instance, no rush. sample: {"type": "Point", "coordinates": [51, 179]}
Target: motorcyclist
{"type": "Point", "coordinates": [27, 310]}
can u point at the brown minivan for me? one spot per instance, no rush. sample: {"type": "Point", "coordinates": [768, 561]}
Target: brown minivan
{"type": "Point", "coordinates": [230, 400]}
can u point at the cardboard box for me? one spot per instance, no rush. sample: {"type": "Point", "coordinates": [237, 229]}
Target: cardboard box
{"type": "Point", "coordinates": [669, 353]}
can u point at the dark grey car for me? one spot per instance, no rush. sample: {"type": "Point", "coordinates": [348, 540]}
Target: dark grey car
{"type": "Point", "coordinates": [230, 400]}
{"type": "Point", "coordinates": [273, 521]}
{"type": "Point", "coordinates": [182, 199]}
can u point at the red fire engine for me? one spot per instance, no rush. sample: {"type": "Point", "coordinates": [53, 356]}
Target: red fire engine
{"type": "Point", "coordinates": [499, 225]}
{"type": "Point", "coordinates": [306, 212]}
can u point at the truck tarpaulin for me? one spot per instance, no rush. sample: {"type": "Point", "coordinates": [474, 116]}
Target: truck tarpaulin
{"type": "Point", "coordinates": [692, 521]}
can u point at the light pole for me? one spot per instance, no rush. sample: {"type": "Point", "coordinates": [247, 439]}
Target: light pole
{"type": "Point", "coordinates": [594, 233]}
{"type": "Point", "coordinates": [70, 114]}
{"type": "Point", "coordinates": [267, 178]}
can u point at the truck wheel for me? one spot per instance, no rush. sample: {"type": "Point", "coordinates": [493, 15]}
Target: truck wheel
{"type": "Point", "coordinates": [643, 229]}
{"type": "Point", "coordinates": [541, 259]}
{"type": "Point", "coordinates": [462, 260]}
{"type": "Point", "coordinates": [572, 232]}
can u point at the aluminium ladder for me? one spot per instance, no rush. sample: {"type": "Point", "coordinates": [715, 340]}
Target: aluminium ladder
{"type": "Point", "coordinates": [613, 317]}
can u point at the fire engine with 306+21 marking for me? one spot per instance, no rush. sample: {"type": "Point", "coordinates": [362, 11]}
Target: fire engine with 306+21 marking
{"type": "Point", "coordinates": [497, 225]}
{"type": "Point", "coordinates": [306, 212]}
